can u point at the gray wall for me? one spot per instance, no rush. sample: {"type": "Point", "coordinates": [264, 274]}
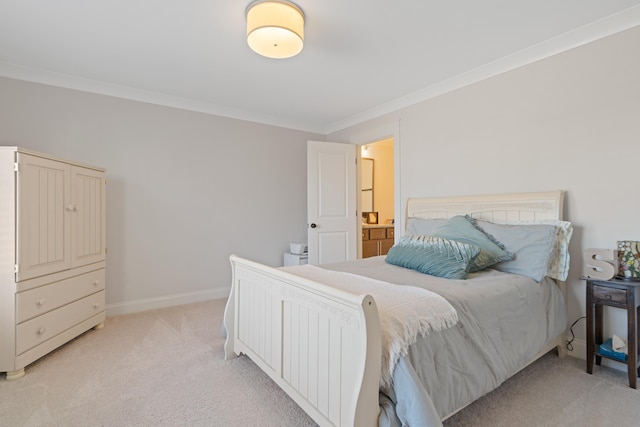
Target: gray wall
{"type": "Point", "coordinates": [185, 190]}
{"type": "Point", "coordinates": [571, 121]}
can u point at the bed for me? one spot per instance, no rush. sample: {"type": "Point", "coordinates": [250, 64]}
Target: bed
{"type": "Point", "coordinates": [322, 332]}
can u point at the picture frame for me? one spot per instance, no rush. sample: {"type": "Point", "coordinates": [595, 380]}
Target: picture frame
{"type": "Point", "coordinates": [372, 217]}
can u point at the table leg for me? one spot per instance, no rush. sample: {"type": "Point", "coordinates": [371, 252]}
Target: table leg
{"type": "Point", "coordinates": [590, 346]}
{"type": "Point", "coordinates": [598, 308]}
{"type": "Point", "coordinates": [632, 335]}
{"type": "Point", "coordinates": [637, 333]}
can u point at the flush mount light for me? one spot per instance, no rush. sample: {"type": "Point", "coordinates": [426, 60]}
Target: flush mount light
{"type": "Point", "coordinates": [275, 29]}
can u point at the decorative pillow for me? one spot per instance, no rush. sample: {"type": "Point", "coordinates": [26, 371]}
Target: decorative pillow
{"type": "Point", "coordinates": [423, 226]}
{"type": "Point", "coordinates": [433, 255]}
{"type": "Point", "coordinates": [465, 229]}
{"type": "Point", "coordinates": [558, 267]}
{"type": "Point", "coordinates": [533, 246]}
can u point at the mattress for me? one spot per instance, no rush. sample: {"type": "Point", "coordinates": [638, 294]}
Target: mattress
{"type": "Point", "coordinates": [505, 320]}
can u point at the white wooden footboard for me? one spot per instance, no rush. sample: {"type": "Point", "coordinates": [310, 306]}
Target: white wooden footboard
{"type": "Point", "coordinates": [319, 344]}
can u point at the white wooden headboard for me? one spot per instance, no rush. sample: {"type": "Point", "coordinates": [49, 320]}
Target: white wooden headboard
{"type": "Point", "coordinates": [495, 208]}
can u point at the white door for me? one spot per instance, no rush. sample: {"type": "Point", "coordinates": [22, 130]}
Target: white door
{"type": "Point", "coordinates": [331, 202]}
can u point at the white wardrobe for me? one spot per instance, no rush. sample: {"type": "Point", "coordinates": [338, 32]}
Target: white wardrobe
{"type": "Point", "coordinates": [52, 254]}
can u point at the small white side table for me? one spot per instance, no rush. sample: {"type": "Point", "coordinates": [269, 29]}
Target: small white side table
{"type": "Point", "coordinates": [295, 259]}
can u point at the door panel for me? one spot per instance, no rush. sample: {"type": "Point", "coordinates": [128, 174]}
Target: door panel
{"type": "Point", "coordinates": [43, 218]}
{"type": "Point", "coordinates": [333, 247]}
{"type": "Point", "coordinates": [88, 222]}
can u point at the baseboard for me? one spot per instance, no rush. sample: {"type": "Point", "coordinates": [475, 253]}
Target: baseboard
{"type": "Point", "coordinates": [580, 351]}
{"type": "Point", "coordinates": [165, 301]}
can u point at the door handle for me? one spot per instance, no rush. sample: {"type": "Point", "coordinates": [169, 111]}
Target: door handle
{"type": "Point", "coordinates": [313, 225]}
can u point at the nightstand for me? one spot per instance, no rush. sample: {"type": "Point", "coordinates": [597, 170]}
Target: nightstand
{"type": "Point", "coordinates": [295, 259]}
{"type": "Point", "coordinates": [613, 293]}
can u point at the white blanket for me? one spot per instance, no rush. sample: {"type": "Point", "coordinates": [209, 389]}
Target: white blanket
{"type": "Point", "coordinates": [405, 311]}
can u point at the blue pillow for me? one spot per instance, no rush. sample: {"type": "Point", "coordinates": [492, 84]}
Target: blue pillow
{"type": "Point", "coordinates": [423, 226]}
{"type": "Point", "coordinates": [434, 256]}
{"type": "Point", "coordinates": [534, 247]}
{"type": "Point", "coordinates": [465, 229]}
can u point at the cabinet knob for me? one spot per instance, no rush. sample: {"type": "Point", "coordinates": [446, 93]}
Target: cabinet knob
{"type": "Point", "coordinates": [72, 208]}
{"type": "Point", "coordinates": [96, 304]}
{"type": "Point", "coordinates": [313, 225]}
{"type": "Point", "coordinates": [42, 330]}
{"type": "Point", "coordinates": [40, 301]}
{"type": "Point", "coordinates": [96, 282]}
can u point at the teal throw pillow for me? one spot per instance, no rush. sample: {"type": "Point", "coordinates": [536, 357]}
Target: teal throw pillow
{"type": "Point", "coordinates": [465, 229]}
{"type": "Point", "coordinates": [434, 256]}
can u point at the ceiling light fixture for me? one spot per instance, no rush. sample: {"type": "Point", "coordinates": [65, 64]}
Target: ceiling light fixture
{"type": "Point", "coordinates": [275, 29]}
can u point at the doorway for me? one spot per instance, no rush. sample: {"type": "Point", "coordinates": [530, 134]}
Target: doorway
{"type": "Point", "coordinates": [377, 194]}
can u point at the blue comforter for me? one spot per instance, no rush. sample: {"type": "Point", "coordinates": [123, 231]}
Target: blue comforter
{"type": "Point", "coordinates": [505, 321]}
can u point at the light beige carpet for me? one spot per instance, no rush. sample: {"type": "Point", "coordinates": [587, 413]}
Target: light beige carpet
{"type": "Point", "coordinates": [156, 368]}
{"type": "Point", "coordinates": [556, 392]}
{"type": "Point", "coordinates": [166, 368]}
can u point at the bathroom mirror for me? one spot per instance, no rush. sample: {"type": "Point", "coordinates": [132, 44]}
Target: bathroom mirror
{"type": "Point", "coordinates": [367, 184]}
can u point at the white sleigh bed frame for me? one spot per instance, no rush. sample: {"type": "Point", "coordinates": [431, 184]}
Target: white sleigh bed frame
{"type": "Point", "coordinates": [321, 345]}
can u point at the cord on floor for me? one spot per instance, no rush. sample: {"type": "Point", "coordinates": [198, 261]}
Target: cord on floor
{"type": "Point", "coordinates": [573, 337]}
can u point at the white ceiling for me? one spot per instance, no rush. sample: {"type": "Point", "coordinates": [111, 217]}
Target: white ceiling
{"type": "Point", "coordinates": [360, 59]}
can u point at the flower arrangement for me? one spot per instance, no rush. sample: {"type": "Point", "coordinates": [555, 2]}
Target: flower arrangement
{"type": "Point", "coordinates": [629, 259]}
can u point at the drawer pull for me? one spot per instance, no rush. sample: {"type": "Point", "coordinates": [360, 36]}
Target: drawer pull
{"type": "Point", "coordinates": [96, 304]}
{"type": "Point", "coordinates": [42, 330]}
{"type": "Point", "coordinates": [40, 302]}
{"type": "Point", "coordinates": [607, 297]}
{"type": "Point", "coordinates": [96, 282]}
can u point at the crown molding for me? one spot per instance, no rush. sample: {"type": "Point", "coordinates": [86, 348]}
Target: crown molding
{"type": "Point", "coordinates": [602, 28]}
{"type": "Point", "coordinates": [51, 78]}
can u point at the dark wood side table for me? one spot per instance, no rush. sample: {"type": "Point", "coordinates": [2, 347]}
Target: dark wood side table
{"type": "Point", "coordinates": [613, 293]}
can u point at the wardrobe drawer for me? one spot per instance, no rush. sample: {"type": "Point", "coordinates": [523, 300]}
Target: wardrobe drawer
{"type": "Point", "coordinates": [36, 331]}
{"type": "Point", "coordinates": [43, 299]}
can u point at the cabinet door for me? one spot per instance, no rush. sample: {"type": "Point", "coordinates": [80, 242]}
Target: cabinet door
{"type": "Point", "coordinates": [369, 248]}
{"type": "Point", "coordinates": [43, 221]}
{"type": "Point", "coordinates": [385, 245]}
{"type": "Point", "coordinates": [87, 216]}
